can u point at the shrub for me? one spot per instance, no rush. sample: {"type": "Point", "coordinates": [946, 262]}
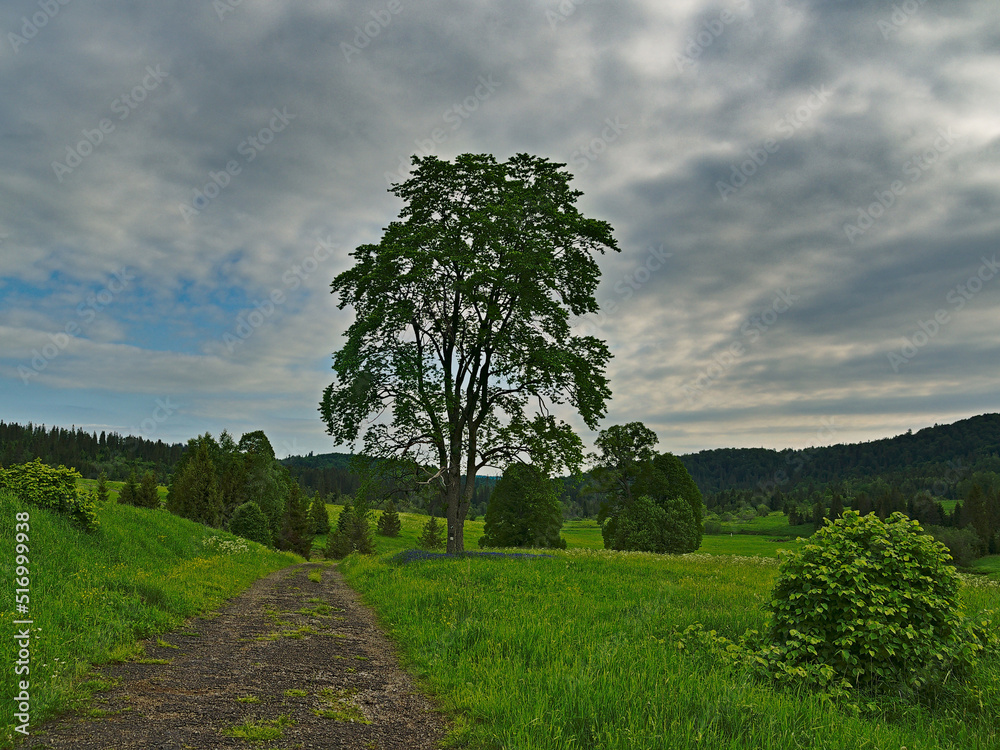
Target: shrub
{"type": "Point", "coordinates": [646, 526]}
{"type": "Point", "coordinates": [52, 487]}
{"type": "Point", "coordinates": [523, 511]}
{"type": "Point", "coordinates": [249, 522]}
{"type": "Point", "coordinates": [432, 537]}
{"type": "Point", "coordinates": [871, 603]}
{"type": "Point", "coordinates": [389, 523]}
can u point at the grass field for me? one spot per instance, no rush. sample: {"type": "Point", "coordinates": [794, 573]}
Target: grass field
{"type": "Point", "coordinates": [93, 595]}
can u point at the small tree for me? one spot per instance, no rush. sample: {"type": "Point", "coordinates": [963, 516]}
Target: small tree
{"type": "Point", "coordinates": [147, 495]}
{"type": "Point", "coordinates": [353, 532]}
{"type": "Point", "coordinates": [296, 534]}
{"type": "Point", "coordinates": [320, 516]}
{"type": "Point", "coordinates": [523, 511]}
{"type": "Point", "coordinates": [102, 495]}
{"type": "Point", "coordinates": [389, 523]}
{"type": "Point", "coordinates": [129, 493]}
{"type": "Point", "coordinates": [432, 537]}
{"type": "Point", "coordinates": [249, 522]}
{"type": "Point", "coordinates": [194, 491]}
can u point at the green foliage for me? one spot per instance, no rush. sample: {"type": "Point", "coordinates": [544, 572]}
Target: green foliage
{"type": "Point", "coordinates": [869, 605]}
{"type": "Point", "coordinates": [461, 325]}
{"type": "Point", "coordinates": [147, 495]}
{"type": "Point", "coordinates": [389, 523]}
{"type": "Point", "coordinates": [664, 478]}
{"type": "Point", "coordinates": [194, 491]}
{"type": "Point", "coordinates": [432, 536]}
{"type": "Point", "coordinates": [963, 544]}
{"type": "Point", "coordinates": [129, 493]}
{"type": "Point", "coordinates": [624, 451]}
{"type": "Point", "coordinates": [296, 525]}
{"type": "Point", "coordinates": [101, 494]}
{"type": "Point", "coordinates": [644, 525]}
{"type": "Point", "coordinates": [353, 533]}
{"type": "Point", "coordinates": [249, 522]}
{"type": "Point", "coordinates": [319, 516]}
{"type": "Point", "coordinates": [52, 487]}
{"type": "Point", "coordinates": [523, 511]}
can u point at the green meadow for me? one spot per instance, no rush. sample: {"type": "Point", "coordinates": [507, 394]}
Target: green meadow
{"type": "Point", "coordinates": [577, 649]}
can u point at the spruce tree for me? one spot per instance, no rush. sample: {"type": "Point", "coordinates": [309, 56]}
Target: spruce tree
{"type": "Point", "coordinates": [129, 493]}
{"type": "Point", "coordinates": [296, 534]}
{"type": "Point", "coordinates": [389, 523]}
{"type": "Point", "coordinates": [195, 492]}
{"type": "Point", "coordinates": [147, 496]}
{"type": "Point", "coordinates": [432, 537]}
{"type": "Point", "coordinates": [320, 516]}
{"type": "Point", "coordinates": [836, 507]}
{"type": "Point", "coordinates": [102, 488]}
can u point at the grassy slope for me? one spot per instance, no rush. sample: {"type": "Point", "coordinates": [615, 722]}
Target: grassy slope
{"type": "Point", "coordinates": [578, 650]}
{"type": "Point", "coordinates": [94, 595]}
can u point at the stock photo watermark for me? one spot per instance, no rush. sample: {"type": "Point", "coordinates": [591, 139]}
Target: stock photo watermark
{"type": "Point", "coordinates": [582, 156]}
{"type": "Point", "coordinates": [121, 106]}
{"type": "Point", "coordinates": [87, 311]}
{"type": "Point", "coordinates": [708, 32]}
{"type": "Point", "coordinates": [914, 168]}
{"type": "Point", "coordinates": [797, 460]}
{"type": "Point", "coordinates": [30, 27]}
{"type": "Point", "coordinates": [454, 117]}
{"type": "Point", "coordinates": [248, 323]}
{"type": "Point", "coordinates": [367, 32]}
{"type": "Point", "coordinates": [564, 10]}
{"type": "Point", "coordinates": [752, 330]}
{"type": "Point", "coordinates": [22, 636]}
{"type": "Point", "coordinates": [958, 297]}
{"type": "Point", "coordinates": [786, 127]}
{"type": "Point", "coordinates": [163, 411]}
{"type": "Point", "coordinates": [900, 16]}
{"type": "Point", "coordinates": [250, 148]}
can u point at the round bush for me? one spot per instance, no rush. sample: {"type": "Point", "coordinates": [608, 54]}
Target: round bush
{"type": "Point", "coordinates": [870, 602]}
{"type": "Point", "coordinates": [249, 522]}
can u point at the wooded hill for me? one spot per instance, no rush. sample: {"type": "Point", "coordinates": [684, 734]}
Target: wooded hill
{"type": "Point", "coordinates": [934, 458]}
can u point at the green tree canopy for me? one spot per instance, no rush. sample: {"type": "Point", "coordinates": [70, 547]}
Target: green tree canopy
{"type": "Point", "coordinates": [462, 340]}
{"type": "Point", "coordinates": [523, 511]}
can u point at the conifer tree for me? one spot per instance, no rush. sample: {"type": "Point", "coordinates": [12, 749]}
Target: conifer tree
{"type": "Point", "coordinates": [389, 523]}
{"type": "Point", "coordinates": [836, 507]}
{"type": "Point", "coordinates": [320, 516]}
{"type": "Point", "coordinates": [296, 534]}
{"type": "Point", "coordinates": [102, 488]}
{"type": "Point", "coordinates": [129, 493]}
{"type": "Point", "coordinates": [147, 496]}
{"type": "Point", "coordinates": [432, 537]}
{"type": "Point", "coordinates": [195, 492]}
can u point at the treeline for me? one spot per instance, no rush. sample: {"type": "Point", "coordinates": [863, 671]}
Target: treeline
{"type": "Point", "coordinates": [244, 488]}
{"type": "Point", "coordinates": [934, 459]}
{"type": "Point", "coordinates": [92, 454]}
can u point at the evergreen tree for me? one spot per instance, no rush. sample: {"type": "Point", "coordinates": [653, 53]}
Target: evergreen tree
{"type": "Point", "coordinates": [296, 534]}
{"type": "Point", "coordinates": [320, 516]}
{"type": "Point", "coordinates": [818, 513]}
{"type": "Point", "coordinates": [129, 493]}
{"type": "Point", "coordinates": [353, 532]}
{"type": "Point", "coordinates": [836, 506]}
{"type": "Point", "coordinates": [147, 495]}
{"type": "Point", "coordinates": [195, 492]}
{"type": "Point", "coordinates": [102, 495]}
{"type": "Point", "coordinates": [523, 511]}
{"type": "Point", "coordinates": [389, 523]}
{"type": "Point", "coordinates": [432, 537]}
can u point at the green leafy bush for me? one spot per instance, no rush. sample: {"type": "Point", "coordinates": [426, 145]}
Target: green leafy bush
{"type": "Point", "coordinates": [52, 487]}
{"type": "Point", "coordinates": [523, 511]}
{"type": "Point", "coordinates": [249, 522]}
{"type": "Point", "coordinates": [644, 525]}
{"type": "Point", "coordinates": [870, 603]}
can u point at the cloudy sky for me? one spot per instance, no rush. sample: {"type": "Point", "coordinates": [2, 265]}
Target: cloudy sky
{"type": "Point", "coordinates": [806, 194]}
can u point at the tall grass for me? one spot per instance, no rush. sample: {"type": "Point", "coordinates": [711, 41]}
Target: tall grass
{"type": "Point", "coordinates": [93, 595]}
{"type": "Point", "coordinates": [578, 650]}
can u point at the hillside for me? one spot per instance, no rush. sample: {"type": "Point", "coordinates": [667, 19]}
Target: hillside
{"type": "Point", "coordinates": [939, 454]}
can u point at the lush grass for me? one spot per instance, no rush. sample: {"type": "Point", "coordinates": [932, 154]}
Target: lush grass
{"type": "Point", "coordinates": [115, 488]}
{"type": "Point", "coordinates": [989, 564]}
{"type": "Point", "coordinates": [773, 524]}
{"type": "Point", "coordinates": [579, 651]}
{"type": "Point", "coordinates": [93, 595]}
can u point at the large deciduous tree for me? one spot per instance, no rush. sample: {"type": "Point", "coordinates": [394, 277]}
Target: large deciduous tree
{"type": "Point", "coordinates": [462, 341]}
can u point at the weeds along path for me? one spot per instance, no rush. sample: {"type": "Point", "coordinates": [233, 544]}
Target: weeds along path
{"type": "Point", "coordinates": [293, 662]}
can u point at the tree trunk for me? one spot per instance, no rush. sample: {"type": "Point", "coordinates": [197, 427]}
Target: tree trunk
{"type": "Point", "coordinates": [459, 500]}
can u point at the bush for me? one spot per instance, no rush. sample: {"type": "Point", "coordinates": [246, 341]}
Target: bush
{"type": "Point", "coordinates": [389, 523]}
{"type": "Point", "coordinates": [870, 604]}
{"type": "Point", "coordinates": [432, 537]}
{"type": "Point", "coordinates": [249, 522]}
{"type": "Point", "coordinates": [52, 487]}
{"type": "Point", "coordinates": [647, 526]}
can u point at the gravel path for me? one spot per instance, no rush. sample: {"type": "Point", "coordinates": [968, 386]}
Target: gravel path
{"type": "Point", "coordinates": [290, 655]}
